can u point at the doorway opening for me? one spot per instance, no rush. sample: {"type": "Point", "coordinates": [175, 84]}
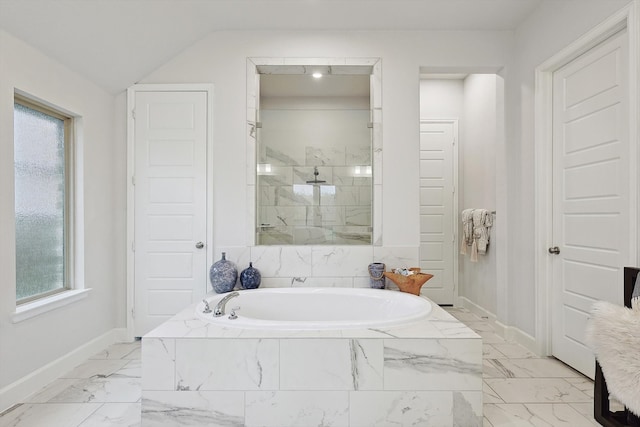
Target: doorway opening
{"type": "Point", "coordinates": [471, 174]}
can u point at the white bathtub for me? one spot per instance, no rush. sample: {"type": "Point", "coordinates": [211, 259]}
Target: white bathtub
{"type": "Point", "coordinates": [318, 308]}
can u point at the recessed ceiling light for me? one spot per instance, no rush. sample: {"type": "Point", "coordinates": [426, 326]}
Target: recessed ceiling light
{"type": "Point", "coordinates": [317, 75]}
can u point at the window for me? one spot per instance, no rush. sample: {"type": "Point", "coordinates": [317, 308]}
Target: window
{"type": "Point", "coordinates": [43, 200]}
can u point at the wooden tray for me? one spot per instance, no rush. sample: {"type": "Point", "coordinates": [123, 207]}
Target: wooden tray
{"type": "Point", "coordinates": [410, 284]}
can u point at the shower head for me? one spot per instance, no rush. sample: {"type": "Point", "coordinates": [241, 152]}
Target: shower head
{"type": "Point", "coordinates": [315, 179]}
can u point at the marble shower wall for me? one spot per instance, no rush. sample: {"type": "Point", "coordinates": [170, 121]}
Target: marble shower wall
{"type": "Point", "coordinates": [320, 266]}
{"type": "Point", "coordinates": [292, 144]}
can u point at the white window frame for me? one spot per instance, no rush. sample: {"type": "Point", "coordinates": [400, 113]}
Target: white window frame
{"type": "Point", "coordinates": [73, 289]}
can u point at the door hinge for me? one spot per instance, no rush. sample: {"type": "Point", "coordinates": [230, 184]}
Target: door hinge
{"type": "Point", "coordinates": [133, 180]}
{"type": "Point", "coordinates": [133, 113]}
{"type": "Point", "coordinates": [133, 246]}
{"type": "Point", "coordinates": [133, 313]}
{"type": "Point", "coordinates": [453, 190]}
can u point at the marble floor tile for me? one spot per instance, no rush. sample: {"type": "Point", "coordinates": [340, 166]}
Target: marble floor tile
{"type": "Point", "coordinates": [490, 396]}
{"type": "Point", "coordinates": [119, 351]}
{"type": "Point", "coordinates": [96, 368]}
{"type": "Point", "coordinates": [50, 391]}
{"type": "Point", "coordinates": [532, 368]}
{"type": "Point", "coordinates": [535, 414]}
{"type": "Point", "coordinates": [513, 351]}
{"type": "Point", "coordinates": [586, 409]}
{"type": "Point", "coordinates": [492, 368]}
{"type": "Point", "coordinates": [480, 326]}
{"type": "Point", "coordinates": [536, 390]}
{"type": "Point", "coordinates": [583, 384]}
{"type": "Point", "coordinates": [48, 415]}
{"type": "Point", "coordinates": [123, 390]}
{"type": "Point", "coordinates": [115, 414]}
{"type": "Point", "coordinates": [133, 369]}
{"type": "Point", "coordinates": [490, 352]}
{"type": "Point", "coordinates": [489, 337]}
{"type": "Point", "coordinates": [135, 354]}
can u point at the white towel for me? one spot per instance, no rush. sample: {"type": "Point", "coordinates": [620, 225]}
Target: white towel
{"type": "Point", "coordinates": [482, 222]}
{"type": "Point", "coordinates": [467, 230]}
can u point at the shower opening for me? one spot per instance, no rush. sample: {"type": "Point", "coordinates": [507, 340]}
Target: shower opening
{"type": "Point", "coordinates": [314, 153]}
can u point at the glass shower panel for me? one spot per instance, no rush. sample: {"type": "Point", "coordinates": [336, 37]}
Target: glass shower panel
{"type": "Point", "coordinates": [314, 176]}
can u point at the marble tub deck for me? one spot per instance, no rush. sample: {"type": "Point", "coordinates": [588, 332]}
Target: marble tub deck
{"type": "Point", "coordinates": [425, 373]}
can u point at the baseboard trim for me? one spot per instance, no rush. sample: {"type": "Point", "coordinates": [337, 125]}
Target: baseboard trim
{"type": "Point", "coordinates": [19, 390]}
{"type": "Point", "coordinates": [509, 333]}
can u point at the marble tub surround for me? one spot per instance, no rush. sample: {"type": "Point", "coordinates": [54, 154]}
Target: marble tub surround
{"type": "Point", "coordinates": [425, 373]}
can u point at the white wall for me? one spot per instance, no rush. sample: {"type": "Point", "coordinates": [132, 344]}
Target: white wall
{"type": "Point", "coordinates": [477, 280]}
{"type": "Point", "coordinates": [550, 28]}
{"type": "Point", "coordinates": [442, 99]}
{"type": "Point", "coordinates": [33, 343]}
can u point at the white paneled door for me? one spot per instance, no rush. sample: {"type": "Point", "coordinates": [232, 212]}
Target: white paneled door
{"type": "Point", "coordinates": [590, 193]}
{"type": "Point", "coordinates": [170, 204]}
{"type": "Point", "coordinates": [438, 156]}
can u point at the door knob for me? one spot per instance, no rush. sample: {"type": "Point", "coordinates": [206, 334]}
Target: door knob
{"type": "Point", "coordinates": [199, 245]}
{"type": "Point", "coordinates": [554, 250]}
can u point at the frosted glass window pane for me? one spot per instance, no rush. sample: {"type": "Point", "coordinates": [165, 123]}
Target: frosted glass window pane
{"type": "Point", "coordinates": [39, 156]}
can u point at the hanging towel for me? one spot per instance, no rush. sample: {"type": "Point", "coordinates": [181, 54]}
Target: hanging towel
{"type": "Point", "coordinates": [467, 230]}
{"type": "Point", "coordinates": [482, 222]}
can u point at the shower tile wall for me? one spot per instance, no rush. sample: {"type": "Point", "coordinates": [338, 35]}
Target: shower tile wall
{"type": "Point", "coordinates": [321, 265]}
{"type": "Point", "coordinates": [293, 211]}
{"type": "Point", "coordinates": [287, 204]}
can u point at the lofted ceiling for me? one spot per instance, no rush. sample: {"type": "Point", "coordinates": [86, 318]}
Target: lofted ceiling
{"type": "Point", "coordinates": [115, 43]}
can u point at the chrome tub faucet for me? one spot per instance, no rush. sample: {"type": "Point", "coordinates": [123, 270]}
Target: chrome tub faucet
{"type": "Point", "coordinates": [218, 311]}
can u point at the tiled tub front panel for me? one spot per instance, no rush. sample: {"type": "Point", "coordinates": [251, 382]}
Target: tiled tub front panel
{"type": "Point", "coordinates": [312, 381]}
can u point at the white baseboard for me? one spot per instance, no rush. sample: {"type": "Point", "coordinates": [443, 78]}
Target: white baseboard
{"type": "Point", "coordinates": [509, 333]}
{"type": "Point", "coordinates": [19, 390]}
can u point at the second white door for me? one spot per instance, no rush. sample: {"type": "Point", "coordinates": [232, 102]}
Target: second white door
{"type": "Point", "coordinates": [437, 208]}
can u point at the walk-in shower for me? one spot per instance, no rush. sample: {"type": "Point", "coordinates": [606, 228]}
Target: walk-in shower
{"type": "Point", "coordinates": [314, 180]}
{"type": "Point", "coordinates": [314, 158]}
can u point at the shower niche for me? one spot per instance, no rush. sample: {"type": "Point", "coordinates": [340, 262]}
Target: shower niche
{"type": "Point", "coordinates": [313, 134]}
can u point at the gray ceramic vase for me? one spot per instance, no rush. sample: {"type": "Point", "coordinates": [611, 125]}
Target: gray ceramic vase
{"type": "Point", "coordinates": [223, 275]}
{"type": "Point", "coordinates": [250, 277]}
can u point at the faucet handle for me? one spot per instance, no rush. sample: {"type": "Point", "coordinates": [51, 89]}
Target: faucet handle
{"type": "Point", "coordinates": [207, 309]}
{"type": "Point", "coordinates": [233, 315]}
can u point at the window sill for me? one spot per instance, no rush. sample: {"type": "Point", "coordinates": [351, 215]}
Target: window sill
{"type": "Point", "coordinates": [41, 306]}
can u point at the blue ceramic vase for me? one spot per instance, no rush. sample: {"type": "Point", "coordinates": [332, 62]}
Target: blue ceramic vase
{"type": "Point", "coordinates": [376, 275]}
{"type": "Point", "coordinates": [250, 277]}
{"type": "Point", "coordinates": [223, 275]}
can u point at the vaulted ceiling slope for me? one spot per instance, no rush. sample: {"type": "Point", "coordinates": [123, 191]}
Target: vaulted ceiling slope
{"type": "Point", "coordinates": [114, 43]}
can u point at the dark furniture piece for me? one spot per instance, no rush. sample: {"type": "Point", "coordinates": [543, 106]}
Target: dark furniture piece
{"type": "Point", "coordinates": [601, 411]}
